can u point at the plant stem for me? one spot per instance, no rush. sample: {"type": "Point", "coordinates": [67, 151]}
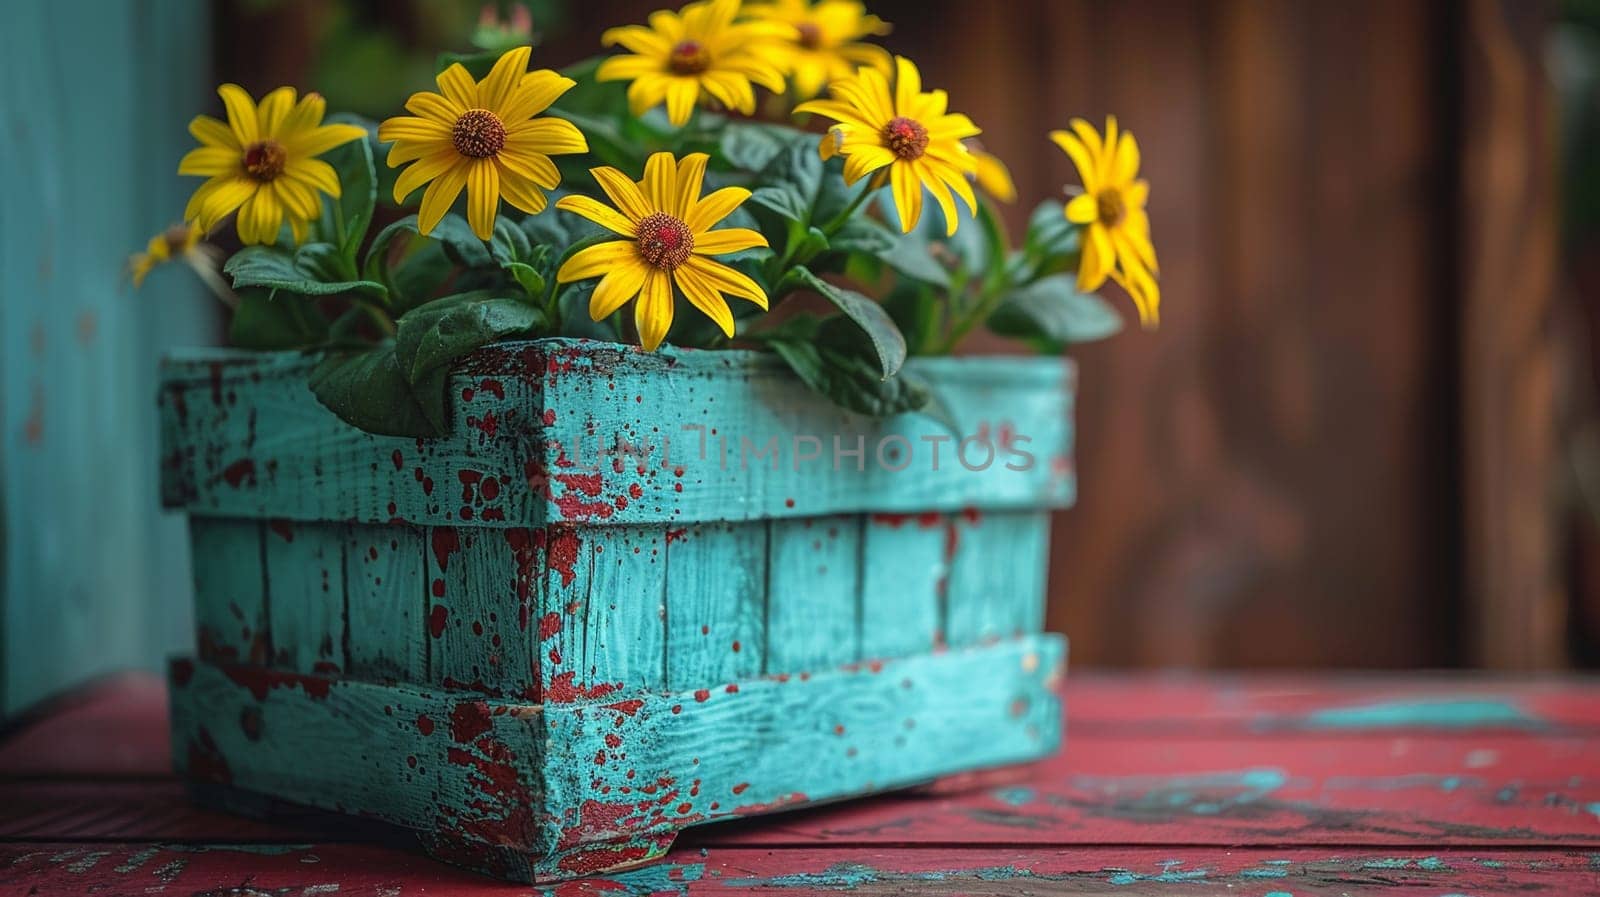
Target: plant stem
{"type": "Point", "coordinates": [379, 317]}
{"type": "Point", "coordinates": [838, 220]}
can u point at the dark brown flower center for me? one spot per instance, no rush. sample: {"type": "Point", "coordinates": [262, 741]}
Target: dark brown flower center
{"type": "Point", "coordinates": [810, 36]}
{"type": "Point", "coordinates": [689, 58]}
{"type": "Point", "coordinates": [264, 160]}
{"type": "Point", "coordinates": [478, 133]}
{"type": "Point", "coordinates": [1111, 207]}
{"type": "Point", "coordinates": [664, 241]}
{"type": "Point", "coordinates": [906, 137]}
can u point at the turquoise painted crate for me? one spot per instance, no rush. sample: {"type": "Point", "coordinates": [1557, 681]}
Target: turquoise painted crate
{"type": "Point", "coordinates": [629, 593]}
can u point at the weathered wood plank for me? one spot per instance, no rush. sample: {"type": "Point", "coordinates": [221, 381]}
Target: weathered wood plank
{"type": "Point", "coordinates": [603, 627]}
{"type": "Point", "coordinates": [813, 593]}
{"type": "Point", "coordinates": [540, 414]}
{"type": "Point", "coordinates": [304, 567]}
{"type": "Point", "coordinates": [998, 564]}
{"type": "Point", "coordinates": [716, 603]}
{"type": "Point", "coordinates": [418, 759]}
{"type": "Point", "coordinates": [905, 575]}
{"type": "Point", "coordinates": [231, 613]}
{"type": "Point", "coordinates": [481, 611]}
{"type": "Point", "coordinates": [386, 602]}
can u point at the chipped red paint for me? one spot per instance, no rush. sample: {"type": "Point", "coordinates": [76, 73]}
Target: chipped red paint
{"type": "Point", "coordinates": [926, 520]}
{"type": "Point", "coordinates": [674, 535]}
{"type": "Point", "coordinates": [282, 527]}
{"type": "Point", "coordinates": [504, 809]}
{"type": "Point", "coordinates": [628, 707]}
{"type": "Point", "coordinates": [425, 724]}
{"type": "Point", "coordinates": [182, 671]}
{"type": "Point", "coordinates": [549, 417]}
{"type": "Point", "coordinates": [437, 618]}
{"type": "Point", "coordinates": [493, 387]}
{"type": "Point", "coordinates": [777, 803]}
{"type": "Point", "coordinates": [549, 625]}
{"type": "Point", "coordinates": [468, 720]}
{"type": "Point", "coordinates": [260, 680]}
{"type": "Point", "coordinates": [563, 689]}
{"type": "Point", "coordinates": [445, 542]}
{"type": "Point", "coordinates": [238, 472]}
{"type": "Point", "coordinates": [562, 554]}
{"type": "Point", "coordinates": [740, 788]}
{"type": "Point", "coordinates": [702, 695]}
{"type": "Point", "coordinates": [398, 459]}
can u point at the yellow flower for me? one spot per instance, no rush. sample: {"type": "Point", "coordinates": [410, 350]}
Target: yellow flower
{"type": "Point", "coordinates": [992, 175]}
{"type": "Point", "coordinates": [263, 163]}
{"type": "Point", "coordinates": [177, 241]}
{"type": "Point", "coordinates": [908, 131]}
{"type": "Point", "coordinates": [700, 52]}
{"type": "Point", "coordinates": [482, 136]}
{"type": "Point", "coordinates": [1116, 241]}
{"type": "Point", "coordinates": [668, 229]}
{"type": "Point", "coordinates": [825, 45]}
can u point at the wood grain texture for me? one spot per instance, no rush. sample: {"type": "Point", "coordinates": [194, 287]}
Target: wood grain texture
{"type": "Point", "coordinates": [584, 783]}
{"type": "Point", "coordinates": [303, 570]}
{"type": "Point", "coordinates": [813, 594]}
{"type": "Point", "coordinates": [538, 415]}
{"type": "Point", "coordinates": [716, 603]}
{"type": "Point", "coordinates": [231, 611]}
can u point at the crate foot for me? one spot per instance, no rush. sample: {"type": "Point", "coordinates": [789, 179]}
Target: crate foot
{"type": "Point", "coordinates": [532, 867]}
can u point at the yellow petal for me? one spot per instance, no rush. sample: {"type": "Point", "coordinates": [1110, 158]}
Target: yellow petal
{"type": "Point", "coordinates": [702, 294]}
{"type": "Point", "coordinates": [874, 94]}
{"type": "Point", "coordinates": [1082, 209]}
{"type": "Point", "coordinates": [835, 110]}
{"type": "Point", "coordinates": [691, 174]}
{"type": "Point", "coordinates": [864, 160]}
{"type": "Point", "coordinates": [273, 110]}
{"type": "Point", "coordinates": [907, 86]}
{"type": "Point", "coordinates": [598, 212]}
{"type": "Point", "coordinates": [1108, 149]}
{"type": "Point", "coordinates": [647, 93]}
{"type": "Point", "coordinates": [681, 94]}
{"type": "Point", "coordinates": [1091, 140]}
{"type": "Point", "coordinates": [534, 94]}
{"type": "Point", "coordinates": [714, 207]}
{"type": "Point", "coordinates": [731, 239]}
{"type": "Point", "coordinates": [952, 127]}
{"type": "Point", "coordinates": [241, 113]}
{"type": "Point", "coordinates": [1137, 194]}
{"type": "Point", "coordinates": [731, 90]}
{"type": "Point", "coordinates": [305, 115]}
{"type": "Point", "coordinates": [431, 105]}
{"type": "Point", "coordinates": [224, 198]}
{"type": "Point", "coordinates": [660, 183]}
{"type": "Point", "coordinates": [637, 39]}
{"type": "Point", "coordinates": [440, 196]}
{"type": "Point", "coordinates": [422, 171]}
{"type": "Point", "coordinates": [317, 173]}
{"type": "Point", "coordinates": [1125, 167]}
{"type": "Point", "coordinates": [520, 190]}
{"type": "Point", "coordinates": [494, 93]}
{"type": "Point", "coordinates": [907, 195]}
{"type": "Point", "coordinates": [551, 136]}
{"type": "Point", "coordinates": [404, 151]}
{"type": "Point", "coordinates": [536, 167]}
{"type": "Point", "coordinates": [483, 197]}
{"type": "Point", "coordinates": [947, 203]}
{"type": "Point", "coordinates": [615, 289]}
{"type": "Point", "coordinates": [652, 314]}
{"type": "Point", "coordinates": [1097, 259]}
{"type": "Point", "coordinates": [627, 68]}
{"type": "Point", "coordinates": [1081, 158]}
{"type": "Point", "coordinates": [211, 132]}
{"type": "Point", "coordinates": [623, 191]}
{"type": "Point", "coordinates": [317, 141]}
{"type": "Point", "coordinates": [597, 260]}
{"type": "Point", "coordinates": [410, 127]}
{"type": "Point", "coordinates": [209, 161]}
{"type": "Point", "coordinates": [458, 87]}
{"type": "Point", "coordinates": [300, 200]}
{"type": "Point", "coordinates": [725, 279]}
{"type": "Point", "coordinates": [994, 177]}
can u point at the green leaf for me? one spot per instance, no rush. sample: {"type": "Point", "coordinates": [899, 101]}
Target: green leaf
{"type": "Point", "coordinates": [887, 343]}
{"type": "Point", "coordinates": [850, 380]}
{"type": "Point", "coordinates": [1051, 313]}
{"type": "Point", "coordinates": [531, 280]}
{"type": "Point", "coordinates": [1051, 237]}
{"type": "Point", "coordinates": [452, 231]}
{"type": "Point", "coordinates": [433, 335]}
{"type": "Point", "coordinates": [752, 147]}
{"type": "Point", "coordinates": [345, 220]}
{"type": "Point", "coordinates": [510, 243]}
{"type": "Point", "coordinates": [862, 234]}
{"type": "Point", "coordinates": [283, 321]}
{"type": "Point", "coordinates": [367, 390]}
{"type": "Point", "coordinates": [783, 199]}
{"type": "Point", "coordinates": [912, 256]}
{"type": "Point", "coordinates": [306, 272]}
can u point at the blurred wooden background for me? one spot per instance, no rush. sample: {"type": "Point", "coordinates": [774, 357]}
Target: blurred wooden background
{"type": "Point", "coordinates": [1339, 449]}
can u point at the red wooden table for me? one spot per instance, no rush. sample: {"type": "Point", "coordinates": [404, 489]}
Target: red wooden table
{"type": "Point", "coordinates": [1247, 786]}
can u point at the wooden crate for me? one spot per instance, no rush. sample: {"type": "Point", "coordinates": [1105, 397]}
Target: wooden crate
{"type": "Point", "coordinates": [548, 661]}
